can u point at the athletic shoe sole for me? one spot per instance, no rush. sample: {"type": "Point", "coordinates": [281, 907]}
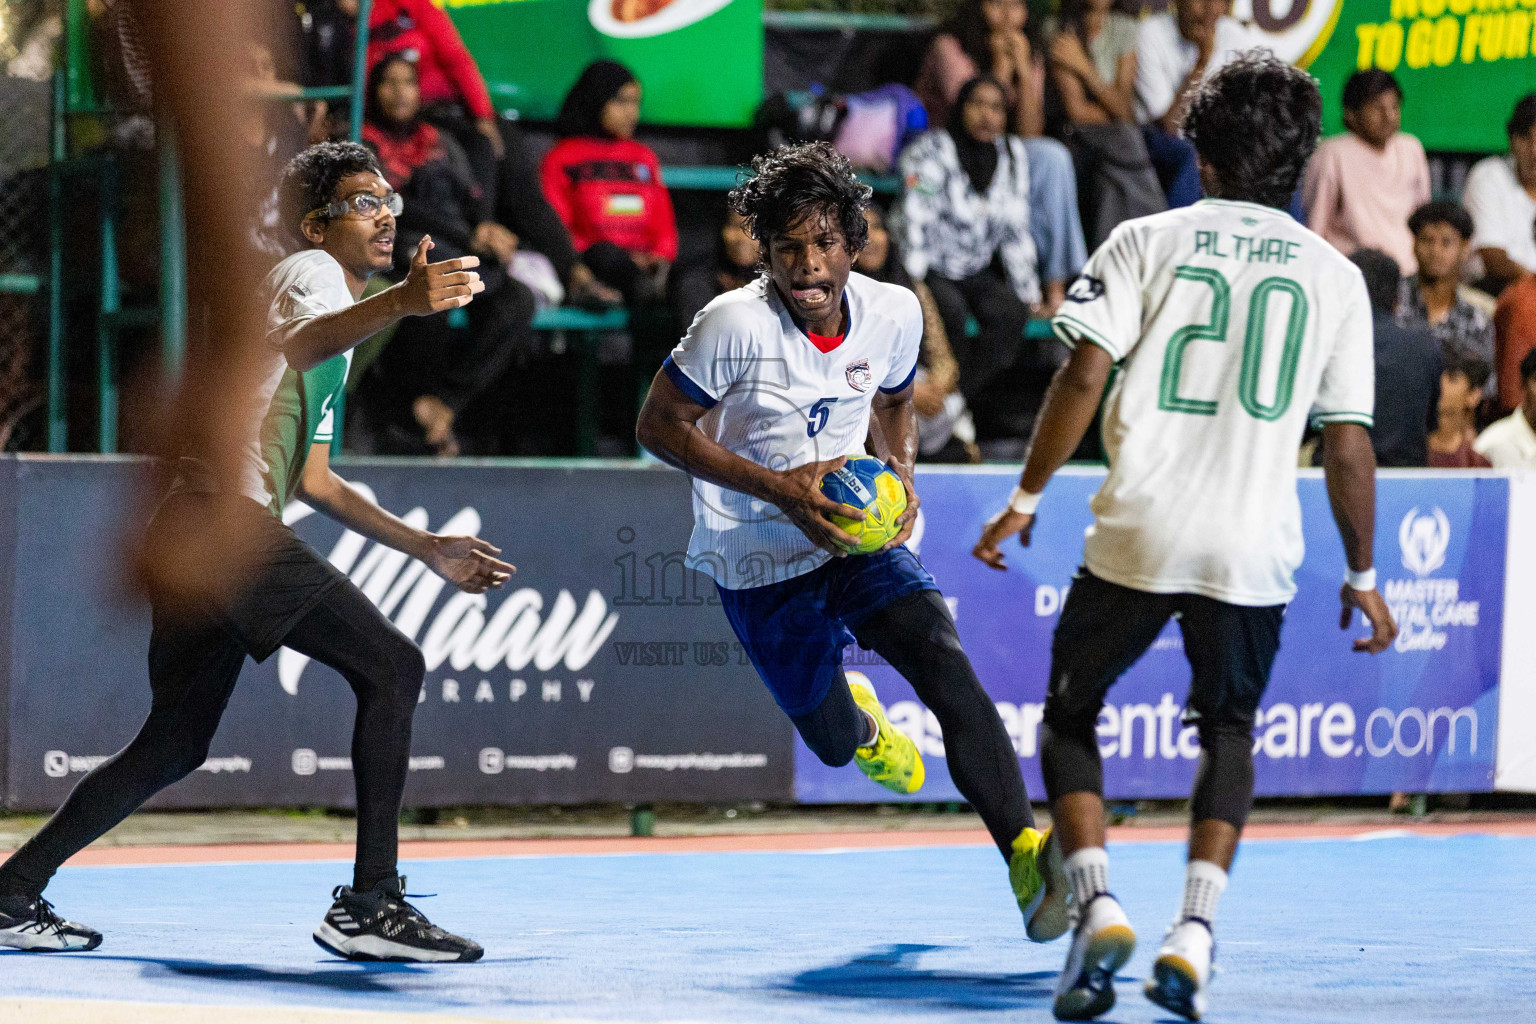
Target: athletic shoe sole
{"type": "Point", "coordinates": [1108, 951]}
{"type": "Point", "coordinates": [375, 948]}
{"type": "Point", "coordinates": [1049, 917]}
{"type": "Point", "coordinates": [1173, 986]}
{"type": "Point", "coordinates": [21, 942]}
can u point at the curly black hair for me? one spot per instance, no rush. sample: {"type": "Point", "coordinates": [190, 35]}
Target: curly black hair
{"type": "Point", "coordinates": [1442, 211]}
{"type": "Point", "coordinates": [792, 182]}
{"type": "Point", "coordinates": [310, 179]}
{"type": "Point", "coordinates": [1255, 123]}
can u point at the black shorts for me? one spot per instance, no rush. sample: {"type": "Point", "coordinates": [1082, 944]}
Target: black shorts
{"type": "Point", "coordinates": [1105, 628]}
{"type": "Point", "coordinates": [285, 581]}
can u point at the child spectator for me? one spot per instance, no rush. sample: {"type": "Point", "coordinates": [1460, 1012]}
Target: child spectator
{"type": "Point", "coordinates": [732, 264]}
{"type": "Point", "coordinates": [1093, 69]}
{"type": "Point", "coordinates": [988, 37]}
{"type": "Point", "coordinates": [607, 187]}
{"type": "Point", "coordinates": [1408, 368]}
{"type": "Point", "coordinates": [1360, 187]}
{"type": "Point", "coordinates": [428, 374]}
{"type": "Point", "coordinates": [1501, 196]}
{"type": "Point", "coordinates": [945, 432]}
{"type": "Point", "coordinates": [1175, 52]}
{"type": "Point", "coordinates": [1461, 391]}
{"type": "Point", "coordinates": [964, 231]}
{"type": "Point", "coordinates": [1510, 443]}
{"type": "Point", "coordinates": [1435, 297]}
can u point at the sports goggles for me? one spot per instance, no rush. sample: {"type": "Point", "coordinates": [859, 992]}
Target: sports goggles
{"type": "Point", "coordinates": [364, 204]}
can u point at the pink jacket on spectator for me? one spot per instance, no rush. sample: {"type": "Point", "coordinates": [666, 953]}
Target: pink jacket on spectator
{"type": "Point", "coordinates": [446, 71]}
{"type": "Point", "coordinates": [1358, 197]}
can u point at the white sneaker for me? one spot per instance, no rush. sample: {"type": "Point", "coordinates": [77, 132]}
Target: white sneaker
{"type": "Point", "coordinates": [1182, 970]}
{"type": "Point", "coordinates": [1101, 945]}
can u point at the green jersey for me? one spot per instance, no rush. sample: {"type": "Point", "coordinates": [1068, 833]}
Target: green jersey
{"type": "Point", "coordinates": [306, 409]}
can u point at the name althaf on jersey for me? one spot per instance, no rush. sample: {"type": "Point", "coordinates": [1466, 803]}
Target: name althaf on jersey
{"type": "Point", "coordinates": [1232, 326]}
{"type": "Point", "coordinates": [775, 398]}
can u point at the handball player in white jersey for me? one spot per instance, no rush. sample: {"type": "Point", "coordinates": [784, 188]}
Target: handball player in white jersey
{"type": "Point", "coordinates": [1212, 334]}
{"type": "Point", "coordinates": [772, 388]}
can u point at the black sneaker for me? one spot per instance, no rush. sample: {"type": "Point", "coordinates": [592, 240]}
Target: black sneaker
{"type": "Point", "coordinates": [37, 929]}
{"type": "Point", "coordinates": [380, 925]}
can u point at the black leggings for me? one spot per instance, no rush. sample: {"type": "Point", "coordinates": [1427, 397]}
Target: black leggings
{"type": "Point", "coordinates": [192, 672]}
{"type": "Point", "coordinates": [917, 636]}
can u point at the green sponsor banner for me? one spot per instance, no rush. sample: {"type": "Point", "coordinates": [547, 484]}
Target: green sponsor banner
{"type": "Point", "coordinates": [1462, 63]}
{"type": "Point", "coordinates": [700, 61]}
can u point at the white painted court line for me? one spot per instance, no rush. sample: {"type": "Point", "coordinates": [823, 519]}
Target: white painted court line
{"type": "Point", "coordinates": [90, 1011]}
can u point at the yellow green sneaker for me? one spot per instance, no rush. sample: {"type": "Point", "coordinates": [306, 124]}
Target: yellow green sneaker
{"type": "Point", "coordinates": [892, 760]}
{"type": "Point", "coordinates": [1040, 885]}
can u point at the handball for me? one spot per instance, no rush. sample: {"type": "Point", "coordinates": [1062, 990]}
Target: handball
{"type": "Point", "coordinates": [864, 482]}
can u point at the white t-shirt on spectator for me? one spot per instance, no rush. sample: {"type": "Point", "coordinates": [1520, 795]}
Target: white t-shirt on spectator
{"type": "Point", "coordinates": [1164, 58]}
{"type": "Point", "coordinates": [778, 400]}
{"type": "Point", "coordinates": [1503, 213]}
{"type": "Point", "coordinates": [1230, 325]}
{"type": "Point", "coordinates": [1509, 443]}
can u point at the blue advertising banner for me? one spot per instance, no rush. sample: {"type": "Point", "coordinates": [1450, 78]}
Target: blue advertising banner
{"type": "Point", "coordinates": [1421, 717]}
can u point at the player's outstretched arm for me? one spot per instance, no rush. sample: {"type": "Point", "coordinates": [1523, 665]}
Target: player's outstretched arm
{"type": "Point", "coordinates": [427, 288]}
{"type": "Point", "coordinates": [668, 429]}
{"type": "Point", "coordinates": [469, 563]}
{"type": "Point", "coordinates": [1070, 403]}
{"type": "Point", "coordinates": [896, 444]}
{"type": "Point", "coordinates": [1349, 467]}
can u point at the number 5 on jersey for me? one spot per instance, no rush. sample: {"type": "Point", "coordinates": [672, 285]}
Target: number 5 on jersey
{"type": "Point", "coordinates": [817, 418]}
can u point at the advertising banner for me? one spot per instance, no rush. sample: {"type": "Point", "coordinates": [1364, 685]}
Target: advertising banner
{"type": "Point", "coordinates": [596, 674]}
{"type": "Point", "coordinates": [1462, 63]}
{"type": "Point", "coordinates": [1421, 717]}
{"type": "Point", "coordinates": [700, 61]}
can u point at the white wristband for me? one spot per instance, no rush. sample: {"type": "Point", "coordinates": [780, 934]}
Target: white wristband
{"type": "Point", "coordinates": [1365, 580]}
{"type": "Point", "coordinates": [1023, 502]}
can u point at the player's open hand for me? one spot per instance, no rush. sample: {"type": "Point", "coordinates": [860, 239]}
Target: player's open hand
{"type": "Point", "coordinates": [908, 519]}
{"type": "Point", "coordinates": [798, 494]}
{"type": "Point", "coordinates": [998, 529]}
{"type": "Point", "coordinates": [469, 563]}
{"type": "Point", "coordinates": [1376, 612]}
{"type": "Point", "coordinates": [433, 287]}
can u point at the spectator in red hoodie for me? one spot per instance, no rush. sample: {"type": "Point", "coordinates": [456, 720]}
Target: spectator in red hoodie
{"type": "Point", "coordinates": [607, 187]}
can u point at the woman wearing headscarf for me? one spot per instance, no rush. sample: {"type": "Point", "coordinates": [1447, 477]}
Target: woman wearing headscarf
{"type": "Point", "coordinates": [427, 374]}
{"type": "Point", "coordinates": [964, 231]}
{"type": "Point", "coordinates": [991, 38]}
{"type": "Point", "coordinates": [607, 187]}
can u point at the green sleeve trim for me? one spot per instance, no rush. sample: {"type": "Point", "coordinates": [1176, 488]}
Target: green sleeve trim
{"type": "Point", "coordinates": [1069, 329]}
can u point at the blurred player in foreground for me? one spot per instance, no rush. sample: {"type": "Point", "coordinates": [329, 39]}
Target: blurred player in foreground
{"type": "Point", "coordinates": [770, 390]}
{"type": "Point", "coordinates": [1217, 330]}
{"type": "Point", "coordinates": [335, 195]}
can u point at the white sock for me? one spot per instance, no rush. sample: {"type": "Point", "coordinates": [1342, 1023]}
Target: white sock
{"type": "Point", "coordinates": [1088, 871]}
{"type": "Point", "coordinates": [874, 728]}
{"type": "Point", "coordinates": [1204, 882]}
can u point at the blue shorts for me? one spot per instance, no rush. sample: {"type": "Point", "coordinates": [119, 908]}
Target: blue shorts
{"type": "Point", "coordinates": [795, 631]}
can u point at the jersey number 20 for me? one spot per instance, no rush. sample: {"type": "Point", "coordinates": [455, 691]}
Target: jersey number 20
{"type": "Point", "coordinates": [1215, 329]}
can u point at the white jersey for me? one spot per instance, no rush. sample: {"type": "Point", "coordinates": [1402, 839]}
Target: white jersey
{"type": "Point", "coordinates": [778, 400]}
{"type": "Point", "coordinates": [1229, 324]}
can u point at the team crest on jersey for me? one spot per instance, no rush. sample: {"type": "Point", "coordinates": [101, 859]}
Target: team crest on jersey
{"type": "Point", "coordinates": [1085, 289]}
{"type": "Point", "coordinates": [860, 378]}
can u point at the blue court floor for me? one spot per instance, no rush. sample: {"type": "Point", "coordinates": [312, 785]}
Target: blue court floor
{"type": "Point", "coordinates": [1390, 929]}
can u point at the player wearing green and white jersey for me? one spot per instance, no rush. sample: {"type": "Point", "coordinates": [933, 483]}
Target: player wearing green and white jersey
{"type": "Point", "coordinates": [336, 196]}
{"type": "Point", "coordinates": [1212, 334]}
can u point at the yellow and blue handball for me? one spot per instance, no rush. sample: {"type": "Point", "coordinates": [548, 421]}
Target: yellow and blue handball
{"type": "Point", "coordinates": [864, 482]}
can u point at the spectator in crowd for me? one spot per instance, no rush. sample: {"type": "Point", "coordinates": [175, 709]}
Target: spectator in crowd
{"type": "Point", "coordinates": [1461, 392]}
{"type": "Point", "coordinates": [945, 432]}
{"type": "Point", "coordinates": [325, 33]}
{"type": "Point", "coordinates": [1361, 186]}
{"type": "Point", "coordinates": [1434, 297]}
{"type": "Point", "coordinates": [607, 187]}
{"type": "Point", "coordinates": [273, 133]}
{"type": "Point", "coordinates": [1093, 69]}
{"type": "Point", "coordinates": [731, 265]}
{"type": "Point", "coordinates": [1176, 51]}
{"type": "Point", "coordinates": [428, 373]}
{"type": "Point", "coordinates": [987, 37]}
{"type": "Point", "coordinates": [1408, 365]}
{"type": "Point", "coordinates": [1510, 443]}
{"type": "Point", "coordinates": [1514, 322]}
{"type": "Point", "coordinates": [1500, 193]}
{"type": "Point", "coordinates": [964, 232]}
